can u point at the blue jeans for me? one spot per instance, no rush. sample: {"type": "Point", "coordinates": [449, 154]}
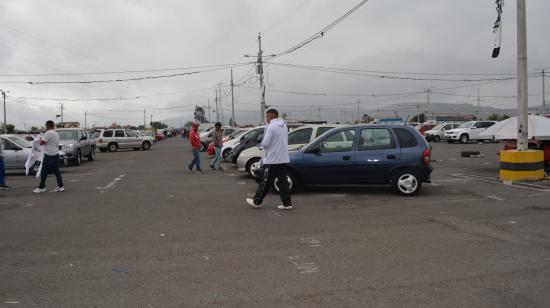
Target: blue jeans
{"type": "Point", "coordinates": [2, 173]}
{"type": "Point", "coordinates": [50, 164]}
{"type": "Point", "coordinates": [196, 160]}
{"type": "Point", "coordinates": [216, 162]}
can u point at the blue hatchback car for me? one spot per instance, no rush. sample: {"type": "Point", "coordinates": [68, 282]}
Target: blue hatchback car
{"type": "Point", "coordinates": [363, 154]}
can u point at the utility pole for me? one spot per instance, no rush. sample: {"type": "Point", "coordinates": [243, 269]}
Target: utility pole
{"type": "Point", "coordinates": [260, 71]}
{"type": "Point", "coordinates": [478, 107]}
{"type": "Point", "coordinates": [61, 112]}
{"type": "Point", "coordinates": [220, 103]}
{"type": "Point", "coordinates": [5, 123]}
{"type": "Point", "coordinates": [144, 121]}
{"type": "Point", "coordinates": [216, 106]}
{"type": "Point", "coordinates": [232, 101]}
{"type": "Point", "coordinates": [319, 110]}
{"type": "Point", "coordinates": [358, 115]}
{"type": "Point", "coordinates": [523, 127]}
{"type": "Point", "coordinates": [208, 107]}
{"type": "Point", "coordinates": [152, 121]}
{"type": "Point", "coordinates": [85, 120]}
{"type": "Point", "coordinates": [429, 108]}
{"type": "Point", "coordinates": [543, 89]}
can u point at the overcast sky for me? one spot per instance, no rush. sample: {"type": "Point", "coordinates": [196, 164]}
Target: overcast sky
{"type": "Point", "coordinates": [422, 36]}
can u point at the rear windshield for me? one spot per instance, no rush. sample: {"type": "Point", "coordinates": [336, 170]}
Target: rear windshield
{"type": "Point", "coordinates": [108, 133]}
{"type": "Point", "coordinates": [405, 137]}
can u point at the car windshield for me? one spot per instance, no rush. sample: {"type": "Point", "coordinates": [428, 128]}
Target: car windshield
{"type": "Point", "coordinates": [466, 124]}
{"type": "Point", "coordinates": [20, 141]}
{"type": "Point", "coordinates": [438, 126]}
{"type": "Point", "coordinates": [67, 134]}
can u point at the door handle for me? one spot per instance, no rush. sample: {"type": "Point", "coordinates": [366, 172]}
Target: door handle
{"type": "Point", "coordinates": [391, 156]}
{"type": "Point", "coordinates": [347, 157]}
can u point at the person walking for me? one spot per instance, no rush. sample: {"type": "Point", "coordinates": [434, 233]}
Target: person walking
{"type": "Point", "coordinates": [3, 185]}
{"type": "Point", "coordinates": [275, 146]}
{"type": "Point", "coordinates": [195, 141]}
{"type": "Point", "coordinates": [217, 138]}
{"type": "Point", "coordinates": [50, 163]}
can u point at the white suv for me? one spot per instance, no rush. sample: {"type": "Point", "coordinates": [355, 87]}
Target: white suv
{"type": "Point", "coordinates": [437, 133]}
{"type": "Point", "coordinates": [468, 131]}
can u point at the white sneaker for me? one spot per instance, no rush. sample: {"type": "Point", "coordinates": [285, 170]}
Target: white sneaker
{"type": "Point", "coordinates": [282, 207]}
{"type": "Point", "coordinates": [251, 203]}
{"type": "Point", "coordinates": [39, 190]}
{"type": "Point", "coordinates": [59, 189]}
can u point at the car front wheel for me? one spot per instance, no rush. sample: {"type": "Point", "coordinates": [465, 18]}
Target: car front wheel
{"type": "Point", "coordinates": [77, 158]}
{"type": "Point", "coordinates": [407, 183]}
{"type": "Point", "coordinates": [464, 139]}
{"type": "Point", "coordinates": [146, 146]}
{"type": "Point", "coordinates": [91, 157]}
{"type": "Point", "coordinates": [436, 138]}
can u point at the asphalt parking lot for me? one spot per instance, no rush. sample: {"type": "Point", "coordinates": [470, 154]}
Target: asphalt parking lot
{"type": "Point", "coordinates": [134, 229]}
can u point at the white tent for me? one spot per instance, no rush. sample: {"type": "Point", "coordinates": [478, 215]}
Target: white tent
{"type": "Point", "coordinates": [539, 128]}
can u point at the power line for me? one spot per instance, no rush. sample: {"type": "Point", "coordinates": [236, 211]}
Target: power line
{"type": "Point", "coordinates": [286, 16]}
{"type": "Point", "coordinates": [230, 65]}
{"type": "Point", "coordinates": [322, 32]}
{"type": "Point", "coordinates": [337, 94]}
{"type": "Point", "coordinates": [122, 79]}
{"type": "Point", "coordinates": [348, 72]}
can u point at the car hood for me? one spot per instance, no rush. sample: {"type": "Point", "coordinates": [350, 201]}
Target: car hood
{"type": "Point", "coordinates": [65, 142]}
{"type": "Point", "coordinates": [252, 152]}
{"type": "Point", "coordinates": [456, 130]}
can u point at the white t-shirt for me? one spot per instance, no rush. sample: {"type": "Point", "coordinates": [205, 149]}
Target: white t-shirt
{"type": "Point", "coordinates": [51, 147]}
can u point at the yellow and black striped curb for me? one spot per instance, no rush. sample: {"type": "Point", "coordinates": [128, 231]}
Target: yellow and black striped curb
{"type": "Point", "coordinates": [521, 165]}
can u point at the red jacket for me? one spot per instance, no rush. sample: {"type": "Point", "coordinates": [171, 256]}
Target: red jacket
{"type": "Point", "coordinates": [194, 139]}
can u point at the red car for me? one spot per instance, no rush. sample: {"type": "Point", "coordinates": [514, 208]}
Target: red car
{"type": "Point", "coordinates": [426, 127]}
{"type": "Point", "coordinates": [211, 147]}
{"type": "Point", "coordinates": [159, 136]}
{"type": "Point", "coordinates": [533, 145]}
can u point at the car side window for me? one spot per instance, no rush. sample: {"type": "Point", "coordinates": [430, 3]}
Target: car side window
{"type": "Point", "coordinates": [406, 138]}
{"type": "Point", "coordinates": [341, 141]}
{"type": "Point", "coordinates": [376, 139]}
{"type": "Point", "coordinates": [300, 136]}
{"type": "Point", "coordinates": [8, 145]}
{"type": "Point", "coordinates": [322, 130]}
{"type": "Point", "coordinates": [108, 133]}
{"type": "Point", "coordinates": [487, 124]}
{"type": "Point", "coordinates": [447, 127]}
{"type": "Point", "coordinates": [119, 133]}
{"type": "Point", "coordinates": [131, 133]}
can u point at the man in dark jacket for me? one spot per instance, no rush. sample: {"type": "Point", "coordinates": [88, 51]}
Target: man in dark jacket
{"type": "Point", "coordinates": [195, 141]}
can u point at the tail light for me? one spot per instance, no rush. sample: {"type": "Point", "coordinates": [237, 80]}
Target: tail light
{"type": "Point", "coordinates": [426, 156]}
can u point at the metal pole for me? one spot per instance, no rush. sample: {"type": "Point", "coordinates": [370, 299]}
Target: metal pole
{"type": "Point", "coordinates": [5, 121]}
{"type": "Point", "coordinates": [429, 108]}
{"type": "Point", "coordinates": [523, 128]}
{"type": "Point", "coordinates": [358, 115]}
{"type": "Point", "coordinates": [62, 113]}
{"type": "Point", "coordinates": [478, 107]}
{"type": "Point", "coordinates": [260, 71]}
{"type": "Point", "coordinates": [232, 102]}
{"type": "Point", "coordinates": [543, 92]}
{"type": "Point", "coordinates": [85, 120]}
{"type": "Point", "coordinates": [144, 121]}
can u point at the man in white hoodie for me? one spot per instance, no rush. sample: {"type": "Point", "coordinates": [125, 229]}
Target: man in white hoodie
{"type": "Point", "coordinates": [275, 145]}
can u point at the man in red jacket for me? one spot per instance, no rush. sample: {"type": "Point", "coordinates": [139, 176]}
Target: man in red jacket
{"type": "Point", "coordinates": [195, 141]}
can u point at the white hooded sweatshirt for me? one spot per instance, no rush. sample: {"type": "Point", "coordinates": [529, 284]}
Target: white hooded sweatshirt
{"type": "Point", "coordinates": [275, 143]}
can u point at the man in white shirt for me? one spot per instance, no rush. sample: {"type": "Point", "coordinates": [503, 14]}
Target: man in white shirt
{"type": "Point", "coordinates": [50, 163]}
{"type": "Point", "coordinates": [275, 145]}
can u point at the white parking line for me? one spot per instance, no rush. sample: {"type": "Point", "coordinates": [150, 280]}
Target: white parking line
{"type": "Point", "coordinates": [112, 184]}
{"type": "Point", "coordinates": [484, 179]}
{"type": "Point", "coordinates": [303, 265]}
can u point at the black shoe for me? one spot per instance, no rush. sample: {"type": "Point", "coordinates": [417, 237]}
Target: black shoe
{"type": "Point", "coordinates": [4, 187]}
{"type": "Point", "coordinates": [212, 167]}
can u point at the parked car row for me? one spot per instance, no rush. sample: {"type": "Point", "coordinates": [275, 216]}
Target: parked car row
{"type": "Point", "coordinates": [332, 154]}
{"type": "Point", "coordinates": [75, 144]}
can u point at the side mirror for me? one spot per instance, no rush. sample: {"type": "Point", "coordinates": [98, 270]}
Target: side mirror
{"type": "Point", "coordinates": [314, 150]}
{"type": "Point", "coordinates": [83, 138]}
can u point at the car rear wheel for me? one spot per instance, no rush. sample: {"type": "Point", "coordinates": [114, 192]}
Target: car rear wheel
{"type": "Point", "coordinates": [407, 183]}
{"type": "Point", "coordinates": [113, 147]}
{"type": "Point", "coordinates": [436, 138]}
{"type": "Point", "coordinates": [146, 146]}
{"type": "Point", "coordinates": [249, 166]}
{"type": "Point", "coordinates": [450, 141]}
{"type": "Point", "coordinates": [103, 150]}
{"type": "Point", "coordinates": [464, 139]}
{"type": "Point", "coordinates": [91, 157]}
